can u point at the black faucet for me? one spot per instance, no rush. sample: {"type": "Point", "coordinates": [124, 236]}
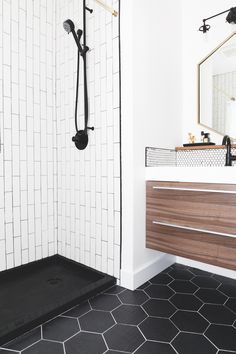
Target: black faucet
{"type": "Point", "coordinates": [229, 157]}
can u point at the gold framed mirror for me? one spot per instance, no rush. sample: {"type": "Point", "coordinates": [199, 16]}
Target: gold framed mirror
{"type": "Point", "coordinates": [217, 89]}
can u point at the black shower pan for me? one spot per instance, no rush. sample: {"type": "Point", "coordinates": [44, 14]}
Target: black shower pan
{"type": "Point", "coordinates": [32, 294]}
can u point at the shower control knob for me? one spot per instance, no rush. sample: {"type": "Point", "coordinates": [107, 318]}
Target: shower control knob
{"type": "Point", "coordinates": [90, 128]}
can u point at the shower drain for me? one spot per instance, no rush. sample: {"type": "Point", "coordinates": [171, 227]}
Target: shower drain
{"type": "Point", "coordinates": [54, 281]}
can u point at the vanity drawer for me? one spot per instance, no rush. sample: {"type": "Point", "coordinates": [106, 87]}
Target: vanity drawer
{"type": "Point", "coordinates": [204, 207]}
{"type": "Point", "coordinates": [193, 220]}
{"type": "Point", "coordinates": [200, 246]}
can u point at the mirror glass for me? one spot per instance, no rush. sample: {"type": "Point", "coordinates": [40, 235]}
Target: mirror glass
{"type": "Point", "coordinates": [217, 89]}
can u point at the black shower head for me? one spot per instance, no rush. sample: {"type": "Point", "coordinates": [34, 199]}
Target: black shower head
{"type": "Point", "coordinates": [69, 26]}
{"type": "Point", "coordinates": [231, 17]}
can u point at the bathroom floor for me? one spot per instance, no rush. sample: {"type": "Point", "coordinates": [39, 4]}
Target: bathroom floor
{"type": "Point", "coordinates": [182, 310]}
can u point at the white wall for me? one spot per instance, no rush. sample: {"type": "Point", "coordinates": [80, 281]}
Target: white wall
{"type": "Point", "coordinates": [151, 116]}
{"type": "Point", "coordinates": [28, 181]}
{"type": "Point", "coordinates": [196, 46]}
{"type": "Point", "coordinates": [89, 180]}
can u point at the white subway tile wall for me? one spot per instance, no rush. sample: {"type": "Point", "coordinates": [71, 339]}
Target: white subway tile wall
{"type": "Point", "coordinates": [28, 158]}
{"type": "Point", "coordinates": [89, 180]}
{"type": "Point", "coordinates": [54, 198]}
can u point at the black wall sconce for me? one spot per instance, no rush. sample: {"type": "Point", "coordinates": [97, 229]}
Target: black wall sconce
{"type": "Point", "coordinates": [230, 18]}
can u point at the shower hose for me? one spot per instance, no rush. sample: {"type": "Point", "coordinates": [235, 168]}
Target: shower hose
{"type": "Point", "coordinates": [83, 54]}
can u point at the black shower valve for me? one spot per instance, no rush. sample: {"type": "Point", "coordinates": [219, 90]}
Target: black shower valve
{"type": "Point", "coordinates": [80, 139]}
{"type": "Point", "coordinates": [90, 128]}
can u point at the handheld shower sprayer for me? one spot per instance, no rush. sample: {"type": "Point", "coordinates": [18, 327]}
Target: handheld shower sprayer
{"type": "Point", "coordinates": [81, 137]}
{"type": "Point", "coordinates": [69, 27]}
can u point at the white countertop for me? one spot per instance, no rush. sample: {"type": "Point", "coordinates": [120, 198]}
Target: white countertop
{"type": "Point", "coordinates": [192, 174]}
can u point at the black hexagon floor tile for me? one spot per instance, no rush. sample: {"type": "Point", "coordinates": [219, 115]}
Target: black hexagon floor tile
{"type": "Point", "coordinates": [158, 291]}
{"type": "Point", "coordinates": [114, 290]}
{"type": "Point", "coordinates": [124, 338]}
{"type": "Point", "coordinates": [78, 310]}
{"type": "Point", "coordinates": [189, 321]}
{"type": "Point", "coordinates": [186, 302]}
{"type": "Point", "coordinates": [228, 289]}
{"type": "Point", "coordinates": [189, 343]}
{"type": "Point", "coordinates": [136, 297]}
{"type": "Point", "coordinates": [223, 280]}
{"type": "Point", "coordinates": [96, 321]}
{"type": "Point", "coordinates": [205, 282]}
{"type": "Point", "coordinates": [155, 348]}
{"type": "Point", "coordinates": [158, 329]}
{"type": "Point", "coordinates": [171, 311]}
{"type": "Point", "coordinates": [60, 329]}
{"type": "Point", "coordinates": [181, 274]}
{"type": "Point", "coordinates": [224, 337]}
{"type": "Point", "coordinates": [211, 296]}
{"type": "Point", "coordinates": [218, 314]}
{"type": "Point", "coordinates": [105, 302]}
{"type": "Point", "coordinates": [144, 286]}
{"type": "Point", "coordinates": [85, 343]}
{"type": "Point", "coordinates": [129, 314]}
{"type": "Point", "coordinates": [159, 308]}
{"type": "Point", "coordinates": [25, 340]}
{"type": "Point", "coordinates": [45, 347]}
{"type": "Point", "coordinates": [179, 266]}
{"type": "Point", "coordinates": [200, 272]}
{"type": "Point", "coordinates": [183, 286]}
{"type": "Point", "coordinates": [167, 270]}
{"type": "Point", "coordinates": [161, 278]}
{"type": "Point", "coordinates": [231, 304]}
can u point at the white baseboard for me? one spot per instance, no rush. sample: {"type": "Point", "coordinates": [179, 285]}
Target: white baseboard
{"type": "Point", "coordinates": [207, 267]}
{"type": "Point", "coordinates": [132, 280]}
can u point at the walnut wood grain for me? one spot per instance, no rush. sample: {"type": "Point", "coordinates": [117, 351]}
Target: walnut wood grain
{"type": "Point", "coordinates": [209, 211]}
{"type": "Point", "coordinates": [203, 147]}
{"type": "Point", "coordinates": [199, 246]}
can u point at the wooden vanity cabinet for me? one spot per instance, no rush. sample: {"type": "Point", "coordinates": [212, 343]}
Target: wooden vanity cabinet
{"type": "Point", "coordinates": [192, 220]}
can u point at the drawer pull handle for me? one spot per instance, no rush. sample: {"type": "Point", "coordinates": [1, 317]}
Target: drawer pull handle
{"type": "Point", "coordinates": [194, 190]}
{"type": "Point", "coordinates": [193, 229]}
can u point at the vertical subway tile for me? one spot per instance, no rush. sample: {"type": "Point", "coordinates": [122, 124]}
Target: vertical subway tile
{"type": "Point", "coordinates": [96, 174]}
{"type": "Point", "coordinates": [3, 264]}
{"type": "Point", "coordinates": [54, 198]}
